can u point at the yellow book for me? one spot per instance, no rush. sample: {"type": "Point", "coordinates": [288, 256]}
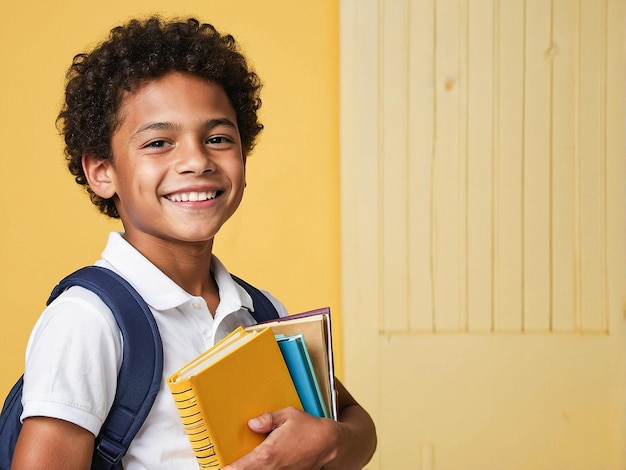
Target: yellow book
{"type": "Point", "coordinates": [315, 326]}
{"type": "Point", "coordinates": [240, 377]}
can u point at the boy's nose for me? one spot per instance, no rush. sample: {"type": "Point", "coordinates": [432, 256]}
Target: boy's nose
{"type": "Point", "coordinates": [195, 159]}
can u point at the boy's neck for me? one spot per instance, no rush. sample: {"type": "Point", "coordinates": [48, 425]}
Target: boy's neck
{"type": "Point", "coordinates": [187, 264]}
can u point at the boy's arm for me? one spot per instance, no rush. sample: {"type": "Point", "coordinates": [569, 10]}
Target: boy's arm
{"type": "Point", "coordinates": [52, 444]}
{"type": "Point", "coordinates": [359, 433]}
{"type": "Point", "coordinates": [298, 440]}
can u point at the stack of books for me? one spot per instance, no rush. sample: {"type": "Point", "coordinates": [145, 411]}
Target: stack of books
{"type": "Point", "coordinates": [256, 369]}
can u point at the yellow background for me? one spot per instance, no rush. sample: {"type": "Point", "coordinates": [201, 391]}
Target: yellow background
{"type": "Point", "coordinates": [285, 237]}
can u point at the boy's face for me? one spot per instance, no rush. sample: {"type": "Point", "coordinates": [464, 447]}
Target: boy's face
{"type": "Point", "coordinates": [178, 171]}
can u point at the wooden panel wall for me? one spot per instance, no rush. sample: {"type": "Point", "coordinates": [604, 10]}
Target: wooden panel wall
{"type": "Point", "coordinates": [491, 180]}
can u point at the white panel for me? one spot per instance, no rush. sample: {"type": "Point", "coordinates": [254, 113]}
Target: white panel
{"type": "Point", "coordinates": [593, 165]}
{"type": "Point", "coordinates": [448, 196]}
{"type": "Point", "coordinates": [537, 167]}
{"type": "Point", "coordinates": [480, 157]}
{"type": "Point", "coordinates": [393, 163]}
{"type": "Point", "coordinates": [508, 170]}
{"type": "Point", "coordinates": [421, 159]}
{"type": "Point", "coordinates": [565, 157]}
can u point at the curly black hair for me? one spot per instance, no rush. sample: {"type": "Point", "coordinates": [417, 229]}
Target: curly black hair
{"type": "Point", "coordinates": [142, 50]}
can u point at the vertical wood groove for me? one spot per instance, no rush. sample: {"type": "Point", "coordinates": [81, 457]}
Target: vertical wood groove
{"type": "Point", "coordinates": [523, 174]}
{"type": "Point", "coordinates": [380, 33]}
{"type": "Point", "coordinates": [578, 324]}
{"type": "Point", "coordinates": [463, 202]}
{"type": "Point", "coordinates": [495, 162]}
{"type": "Point", "coordinates": [433, 169]}
{"type": "Point", "coordinates": [550, 176]}
{"type": "Point", "coordinates": [603, 169]}
{"type": "Point", "coordinates": [407, 165]}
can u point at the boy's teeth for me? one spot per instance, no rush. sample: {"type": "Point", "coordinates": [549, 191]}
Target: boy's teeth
{"type": "Point", "coordinates": [192, 196]}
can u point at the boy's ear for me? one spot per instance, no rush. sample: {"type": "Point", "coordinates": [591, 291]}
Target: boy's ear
{"type": "Point", "coordinates": [99, 174]}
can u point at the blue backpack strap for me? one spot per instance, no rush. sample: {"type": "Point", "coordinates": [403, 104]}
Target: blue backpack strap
{"type": "Point", "coordinates": [10, 425]}
{"type": "Point", "coordinates": [140, 375]}
{"type": "Point", "coordinates": [264, 309]}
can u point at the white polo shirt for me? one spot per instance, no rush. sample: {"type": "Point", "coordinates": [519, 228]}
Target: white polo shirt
{"type": "Point", "coordinates": [75, 351]}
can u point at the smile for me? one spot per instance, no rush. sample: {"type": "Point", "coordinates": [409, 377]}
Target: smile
{"type": "Point", "coordinates": [192, 196]}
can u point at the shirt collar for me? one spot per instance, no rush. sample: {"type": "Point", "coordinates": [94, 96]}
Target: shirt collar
{"type": "Point", "coordinates": [158, 290]}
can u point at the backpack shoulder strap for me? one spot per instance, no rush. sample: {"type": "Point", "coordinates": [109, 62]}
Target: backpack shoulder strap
{"type": "Point", "coordinates": [139, 378]}
{"type": "Point", "coordinates": [264, 309]}
{"type": "Point", "coordinates": [10, 425]}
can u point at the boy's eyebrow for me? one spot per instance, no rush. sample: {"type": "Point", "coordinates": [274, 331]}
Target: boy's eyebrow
{"type": "Point", "coordinates": [160, 126]}
{"type": "Point", "coordinates": [219, 122]}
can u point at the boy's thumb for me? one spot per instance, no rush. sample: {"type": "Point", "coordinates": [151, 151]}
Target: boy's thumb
{"type": "Point", "coordinates": [262, 424]}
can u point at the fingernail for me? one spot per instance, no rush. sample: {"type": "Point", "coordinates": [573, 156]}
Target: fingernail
{"type": "Point", "coordinates": [255, 422]}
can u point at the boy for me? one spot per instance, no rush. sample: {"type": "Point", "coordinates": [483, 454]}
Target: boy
{"type": "Point", "coordinates": [158, 121]}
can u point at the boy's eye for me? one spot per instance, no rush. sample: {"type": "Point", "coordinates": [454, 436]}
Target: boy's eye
{"type": "Point", "coordinates": [156, 144]}
{"type": "Point", "coordinates": [218, 139]}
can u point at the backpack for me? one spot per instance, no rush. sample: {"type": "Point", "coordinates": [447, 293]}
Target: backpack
{"type": "Point", "coordinates": [137, 384]}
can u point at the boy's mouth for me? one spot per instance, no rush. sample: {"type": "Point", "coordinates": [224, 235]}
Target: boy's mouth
{"type": "Point", "coordinates": [192, 196]}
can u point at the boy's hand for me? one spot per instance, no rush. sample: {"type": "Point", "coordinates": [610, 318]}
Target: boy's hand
{"type": "Point", "coordinates": [296, 441]}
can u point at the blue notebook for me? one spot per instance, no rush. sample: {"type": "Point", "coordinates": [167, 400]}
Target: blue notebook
{"type": "Point", "coordinates": [300, 367]}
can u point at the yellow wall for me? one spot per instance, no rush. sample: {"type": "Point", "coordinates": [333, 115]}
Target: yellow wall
{"type": "Point", "coordinates": [285, 236]}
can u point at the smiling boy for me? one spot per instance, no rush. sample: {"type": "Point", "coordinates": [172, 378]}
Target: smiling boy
{"type": "Point", "coordinates": [158, 121]}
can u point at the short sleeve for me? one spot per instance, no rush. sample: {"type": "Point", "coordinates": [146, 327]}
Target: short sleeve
{"type": "Point", "coordinates": [72, 361]}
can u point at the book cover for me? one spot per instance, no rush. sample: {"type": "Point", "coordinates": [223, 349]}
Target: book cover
{"type": "Point", "coordinates": [315, 326]}
{"type": "Point", "coordinates": [300, 367]}
{"type": "Point", "coordinates": [240, 377]}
